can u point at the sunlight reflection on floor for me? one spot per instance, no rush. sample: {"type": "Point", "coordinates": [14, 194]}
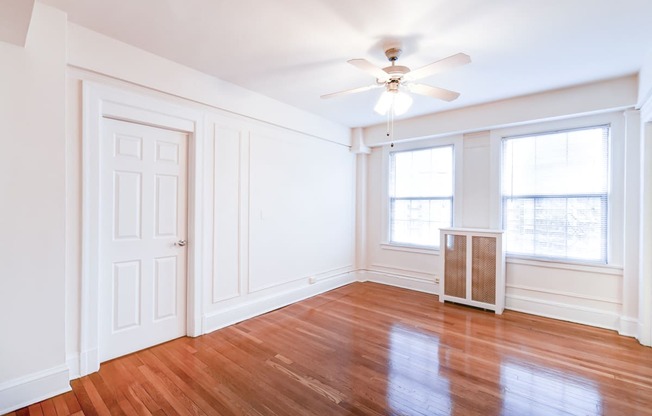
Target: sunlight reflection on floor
{"type": "Point", "coordinates": [414, 381]}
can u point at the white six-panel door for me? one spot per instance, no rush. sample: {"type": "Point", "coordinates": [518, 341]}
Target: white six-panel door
{"type": "Point", "coordinates": [143, 227]}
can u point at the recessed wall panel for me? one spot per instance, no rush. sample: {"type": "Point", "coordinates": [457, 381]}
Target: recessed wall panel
{"type": "Point", "coordinates": [166, 205]}
{"type": "Point", "coordinates": [165, 289]}
{"type": "Point", "coordinates": [226, 217]}
{"type": "Point", "coordinates": [126, 295]}
{"type": "Point", "coordinates": [167, 152]}
{"type": "Point", "coordinates": [127, 205]}
{"type": "Point", "coordinates": [130, 147]}
{"type": "Point", "coordinates": [301, 199]}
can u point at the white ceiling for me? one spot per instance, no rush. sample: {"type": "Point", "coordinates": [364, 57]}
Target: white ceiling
{"type": "Point", "coordinates": [296, 50]}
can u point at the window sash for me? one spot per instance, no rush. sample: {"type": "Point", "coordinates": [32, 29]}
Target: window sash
{"type": "Point", "coordinates": [416, 227]}
{"type": "Point", "coordinates": [547, 240]}
{"type": "Point", "coordinates": [435, 191]}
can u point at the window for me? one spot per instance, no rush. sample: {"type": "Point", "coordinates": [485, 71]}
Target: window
{"type": "Point", "coordinates": [420, 195]}
{"type": "Point", "coordinates": [555, 194]}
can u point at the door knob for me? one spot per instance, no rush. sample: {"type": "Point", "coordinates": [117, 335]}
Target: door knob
{"type": "Point", "coordinates": [181, 243]}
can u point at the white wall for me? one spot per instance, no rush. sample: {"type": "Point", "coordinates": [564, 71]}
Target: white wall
{"type": "Point", "coordinates": [645, 207]}
{"type": "Point", "coordinates": [280, 186]}
{"type": "Point", "coordinates": [264, 241]}
{"type": "Point", "coordinates": [592, 295]}
{"type": "Point", "coordinates": [645, 82]}
{"type": "Point", "coordinates": [32, 183]}
{"type": "Point", "coordinates": [619, 93]}
{"type": "Point", "coordinates": [93, 51]}
{"type": "Point", "coordinates": [283, 212]}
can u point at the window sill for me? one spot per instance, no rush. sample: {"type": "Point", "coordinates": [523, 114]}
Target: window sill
{"type": "Point", "coordinates": [566, 265]}
{"type": "Point", "coordinates": [410, 249]}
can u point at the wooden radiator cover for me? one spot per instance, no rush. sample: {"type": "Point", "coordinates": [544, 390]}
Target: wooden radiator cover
{"type": "Point", "coordinates": [473, 268]}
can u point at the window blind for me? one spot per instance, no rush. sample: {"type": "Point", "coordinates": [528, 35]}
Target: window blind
{"type": "Point", "coordinates": [420, 195]}
{"type": "Point", "coordinates": [555, 189]}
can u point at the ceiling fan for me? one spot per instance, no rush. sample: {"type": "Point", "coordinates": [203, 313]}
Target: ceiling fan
{"type": "Point", "coordinates": [396, 77]}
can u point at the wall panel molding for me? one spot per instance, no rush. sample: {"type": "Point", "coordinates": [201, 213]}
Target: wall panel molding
{"type": "Point", "coordinates": [564, 294]}
{"type": "Point", "coordinates": [563, 311]}
{"type": "Point", "coordinates": [398, 280]}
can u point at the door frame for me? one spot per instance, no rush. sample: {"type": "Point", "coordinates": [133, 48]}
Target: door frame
{"type": "Point", "coordinates": [101, 101]}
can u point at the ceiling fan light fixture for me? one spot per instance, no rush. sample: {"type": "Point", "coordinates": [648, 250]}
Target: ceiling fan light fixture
{"type": "Point", "coordinates": [384, 103]}
{"type": "Point", "coordinates": [402, 103]}
{"type": "Point", "coordinates": [393, 100]}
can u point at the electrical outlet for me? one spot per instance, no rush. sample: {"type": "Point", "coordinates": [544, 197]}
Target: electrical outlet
{"type": "Point", "coordinates": [436, 280]}
{"type": "Point", "coordinates": [312, 279]}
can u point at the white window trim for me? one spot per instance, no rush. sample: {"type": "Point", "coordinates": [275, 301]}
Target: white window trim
{"type": "Point", "coordinates": [458, 204]}
{"type": "Point", "coordinates": [615, 213]}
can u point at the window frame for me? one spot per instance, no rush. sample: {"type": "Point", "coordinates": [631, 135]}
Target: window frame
{"type": "Point", "coordinates": [615, 194]}
{"type": "Point", "coordinates": [457, 199]}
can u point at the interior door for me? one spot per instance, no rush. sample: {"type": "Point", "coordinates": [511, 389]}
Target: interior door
{"type": "Point", "coordinates": [143, 228]}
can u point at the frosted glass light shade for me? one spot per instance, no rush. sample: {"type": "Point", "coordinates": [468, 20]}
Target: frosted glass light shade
{"type": "Point", "coordinates": [398, 101]}
{"type": "Point", "coordinates": [402, 103]}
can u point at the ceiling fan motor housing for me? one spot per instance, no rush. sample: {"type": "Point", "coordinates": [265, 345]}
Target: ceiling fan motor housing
{"type": "Point", "coordinates": [396, 71]}
{"type": "Point", "coordinates": [392, 85]}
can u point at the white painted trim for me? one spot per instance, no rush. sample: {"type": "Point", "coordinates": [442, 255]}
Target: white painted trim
{"type": "Point", "coordinates": [457, 141]}
{"type": "Point", "coordinates": [72, 361]}
{"type": "Point", "coordinates": [88, 361]}
{"type": "Point", "coordinates": [361, 192]}
{"type": "Point", "coordinates": [402, 271]}
{"type": "Point", "coordinates": [628, 327]}
{"type": "Point", "coordinates": [632, 225]}
{"type": "Point", "coordinates": [243, 213]}
{"type": "Point", "coordinates": [398, 280]}
{"type": "Point", "coordinates": [563, 311]}
{"type": "Point", "coordinates": [102, 101]}
{"type": "Point", "coordinates": [616, 171]}
{"type": "Point", "coordinates": [563, 293]}
{"type": "Point", "coordinates": [243, 311]}
{"type": "Point", "coordinates": [32, 388]}
{"type": "Point", "coordinates": [327, 274]}
{"type": "Point", "coordinates": [409, 249]}
{"type": "Point", "coordinates": [563, 265]}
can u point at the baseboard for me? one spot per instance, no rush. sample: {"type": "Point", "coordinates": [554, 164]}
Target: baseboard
{"type": "Point", "coordinates": [643, 337]}
{"type": "Point", "coordinates": [628, 327]}
{"type": "Point", "coordinates": [89, 362]}
{"type": "Point", "coordinates": [403, 281]}
{"type": "Point", "coordinates": [563, 311]}
{"type": "Point", "coordinates": [33, 388]}
{"type": "Point", "coordinates": [258, 306]}
{"type": "Point", "coordinates": [72, 361]}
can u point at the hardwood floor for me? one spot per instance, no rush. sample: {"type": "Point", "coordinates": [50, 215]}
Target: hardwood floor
{"type": "Point", "coordinates": [369, 349]}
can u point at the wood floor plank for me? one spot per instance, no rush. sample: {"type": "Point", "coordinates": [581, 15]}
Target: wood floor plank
{"type": "Point", "coordinates": [48, 408]}
{"type": "Point", "coordinates": [67, 403]}
{"type": "Point", "coordinates": [370, 349]}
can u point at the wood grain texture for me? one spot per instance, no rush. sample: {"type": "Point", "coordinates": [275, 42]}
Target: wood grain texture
{"type": "Point", "coordinates": [369, 349]}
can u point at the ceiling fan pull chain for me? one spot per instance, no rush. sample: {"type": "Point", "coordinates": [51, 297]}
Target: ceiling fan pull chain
{"type": "Point", "coordinates": [387, 129]}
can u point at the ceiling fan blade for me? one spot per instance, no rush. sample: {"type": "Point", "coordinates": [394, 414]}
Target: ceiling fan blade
{"type": "Point", "coordinates": [434, 92]}
{"type": "Point", "coordinates": [352, 91]}
{"type": "Point", "coordinates": [370, 68]}
{"type": "Point", "coordinates": [439, 66]}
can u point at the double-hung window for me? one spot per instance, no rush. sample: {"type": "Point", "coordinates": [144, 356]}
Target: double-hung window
{"type": "Point", "coordinates": [420, 195]}
{"type": "Point", "coordinates": [555, 189]}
